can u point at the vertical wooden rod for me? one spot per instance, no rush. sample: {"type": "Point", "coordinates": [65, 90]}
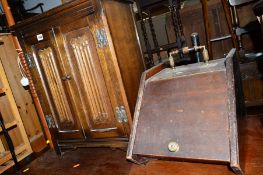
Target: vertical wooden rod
{"type": "Point", "coordinates": [229, 23]}
{"type": "Point", "coordinates": [155, 41]}
{"type": "Point", "coordinates": [207, 27]}
{"type": "Point", "coordinates": [11, 22]}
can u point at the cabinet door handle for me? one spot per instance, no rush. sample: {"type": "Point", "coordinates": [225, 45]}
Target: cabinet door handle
{"type": "Point", "coordinates": [66, 77]}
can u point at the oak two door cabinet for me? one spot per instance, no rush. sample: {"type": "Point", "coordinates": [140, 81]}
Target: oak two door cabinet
{"type": "Point", "coordinates": [86, 65]}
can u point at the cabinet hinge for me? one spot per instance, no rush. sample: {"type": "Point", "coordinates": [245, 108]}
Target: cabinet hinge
{"type": "Point", "coordinates": [29, 60]}
{"type": "Point", "coordinates": [121, 114]}
{"type": "Point", "coordinates": [101, 37]}
{"type": "Point", "coordinates": [50, 121]}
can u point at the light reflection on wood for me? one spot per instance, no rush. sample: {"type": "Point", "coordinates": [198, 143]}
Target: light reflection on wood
{"type": "Point", "coordinates": [96, 92]}
{"type": "Point", "coordinates": [54, 82]}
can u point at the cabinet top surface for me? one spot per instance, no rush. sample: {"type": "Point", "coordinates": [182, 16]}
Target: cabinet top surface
{"type": "Point", "coordinates": [67, 8]}
{"type": "Point", "coordinates": [86, 7]}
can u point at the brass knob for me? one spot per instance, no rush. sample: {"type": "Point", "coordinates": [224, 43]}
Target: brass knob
{"type": "Point", "coordinates": [173, 147]}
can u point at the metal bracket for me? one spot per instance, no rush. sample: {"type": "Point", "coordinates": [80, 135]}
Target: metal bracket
{"type": "Point", "coordinates": [121, 114]}
{"type": "Point", "coordinates": [50, 121]}
{"type": "Point", "coordinates": [101, 37]}
{"type": "Point", "coordinates": [29, 60]}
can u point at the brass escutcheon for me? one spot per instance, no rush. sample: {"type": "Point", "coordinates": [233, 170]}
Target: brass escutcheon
{"type": "Point", "coordinates": [173, 147]}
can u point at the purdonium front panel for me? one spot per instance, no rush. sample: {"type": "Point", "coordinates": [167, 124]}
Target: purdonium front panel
{"type": "Point", "coordinates": [187, 113]}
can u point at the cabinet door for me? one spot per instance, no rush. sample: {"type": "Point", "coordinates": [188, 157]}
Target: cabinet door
{"type": "Point", "coordinates": [91, 84]}
{"type": "Point", "coordinates": [53, 79]}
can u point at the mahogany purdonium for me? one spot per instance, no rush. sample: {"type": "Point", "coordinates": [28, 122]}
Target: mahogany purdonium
{"type": "Point", "coordinates": [189, 113]}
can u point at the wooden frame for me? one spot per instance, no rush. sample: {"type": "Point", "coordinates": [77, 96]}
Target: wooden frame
{"type": "Point", "coordinates": [27, 110]}
{"type": "Point", "coordinates": [120, 67]}
{"type": "Point", "coordinates": [233, 115]}
{"type": "Point", "coordinates": [23, 149]}
{"type": "Point", "coordinates": [65, 1]}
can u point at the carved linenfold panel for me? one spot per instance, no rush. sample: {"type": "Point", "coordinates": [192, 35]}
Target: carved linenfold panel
{"type": "Point", "coordinates": [100, 118]}
{"type": "Point", "coordinates": [54, 82]}
{"type": "Point", "coordinates": [96, 92]}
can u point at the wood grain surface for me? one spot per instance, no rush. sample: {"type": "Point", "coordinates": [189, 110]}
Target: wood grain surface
{"type": "Point", "coordinates": [101, 161]}
{"type": "Point", "coordinates": [24, 101]}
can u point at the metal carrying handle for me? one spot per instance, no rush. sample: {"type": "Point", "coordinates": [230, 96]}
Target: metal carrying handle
{"type": "Point", "coordinates": [186, 50]}
{"type": "Point", "coordinates": [195, 48]}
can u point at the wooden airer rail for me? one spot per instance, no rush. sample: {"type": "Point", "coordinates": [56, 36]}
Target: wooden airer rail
{"type": "Point", "coordinates": [11, 22]}
{"type": "Point", "coordinates": [12, 128]}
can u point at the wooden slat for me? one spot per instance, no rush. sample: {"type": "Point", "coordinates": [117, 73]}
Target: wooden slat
{"type": "Point", "coordinates": [9, 125]}
{"type": "Point", "coordinates": [2, 148]}
{"type": "Point", "coordinates": [10, 163]}
{"type": "Point", "coordinates": [5, 167]}
{"type": "Point", "coordinates": [24, 147]}
{"type": "Point", "coordinates": [23, 99]}
{"type": "Point", "coordinates": [13, 107]}
{"type": "Point", "coordinates": [254, 103]}
{"type": "Point", "coordinates": [7, 155]}
{"type": "Point", "coordinates": [2, 91]}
